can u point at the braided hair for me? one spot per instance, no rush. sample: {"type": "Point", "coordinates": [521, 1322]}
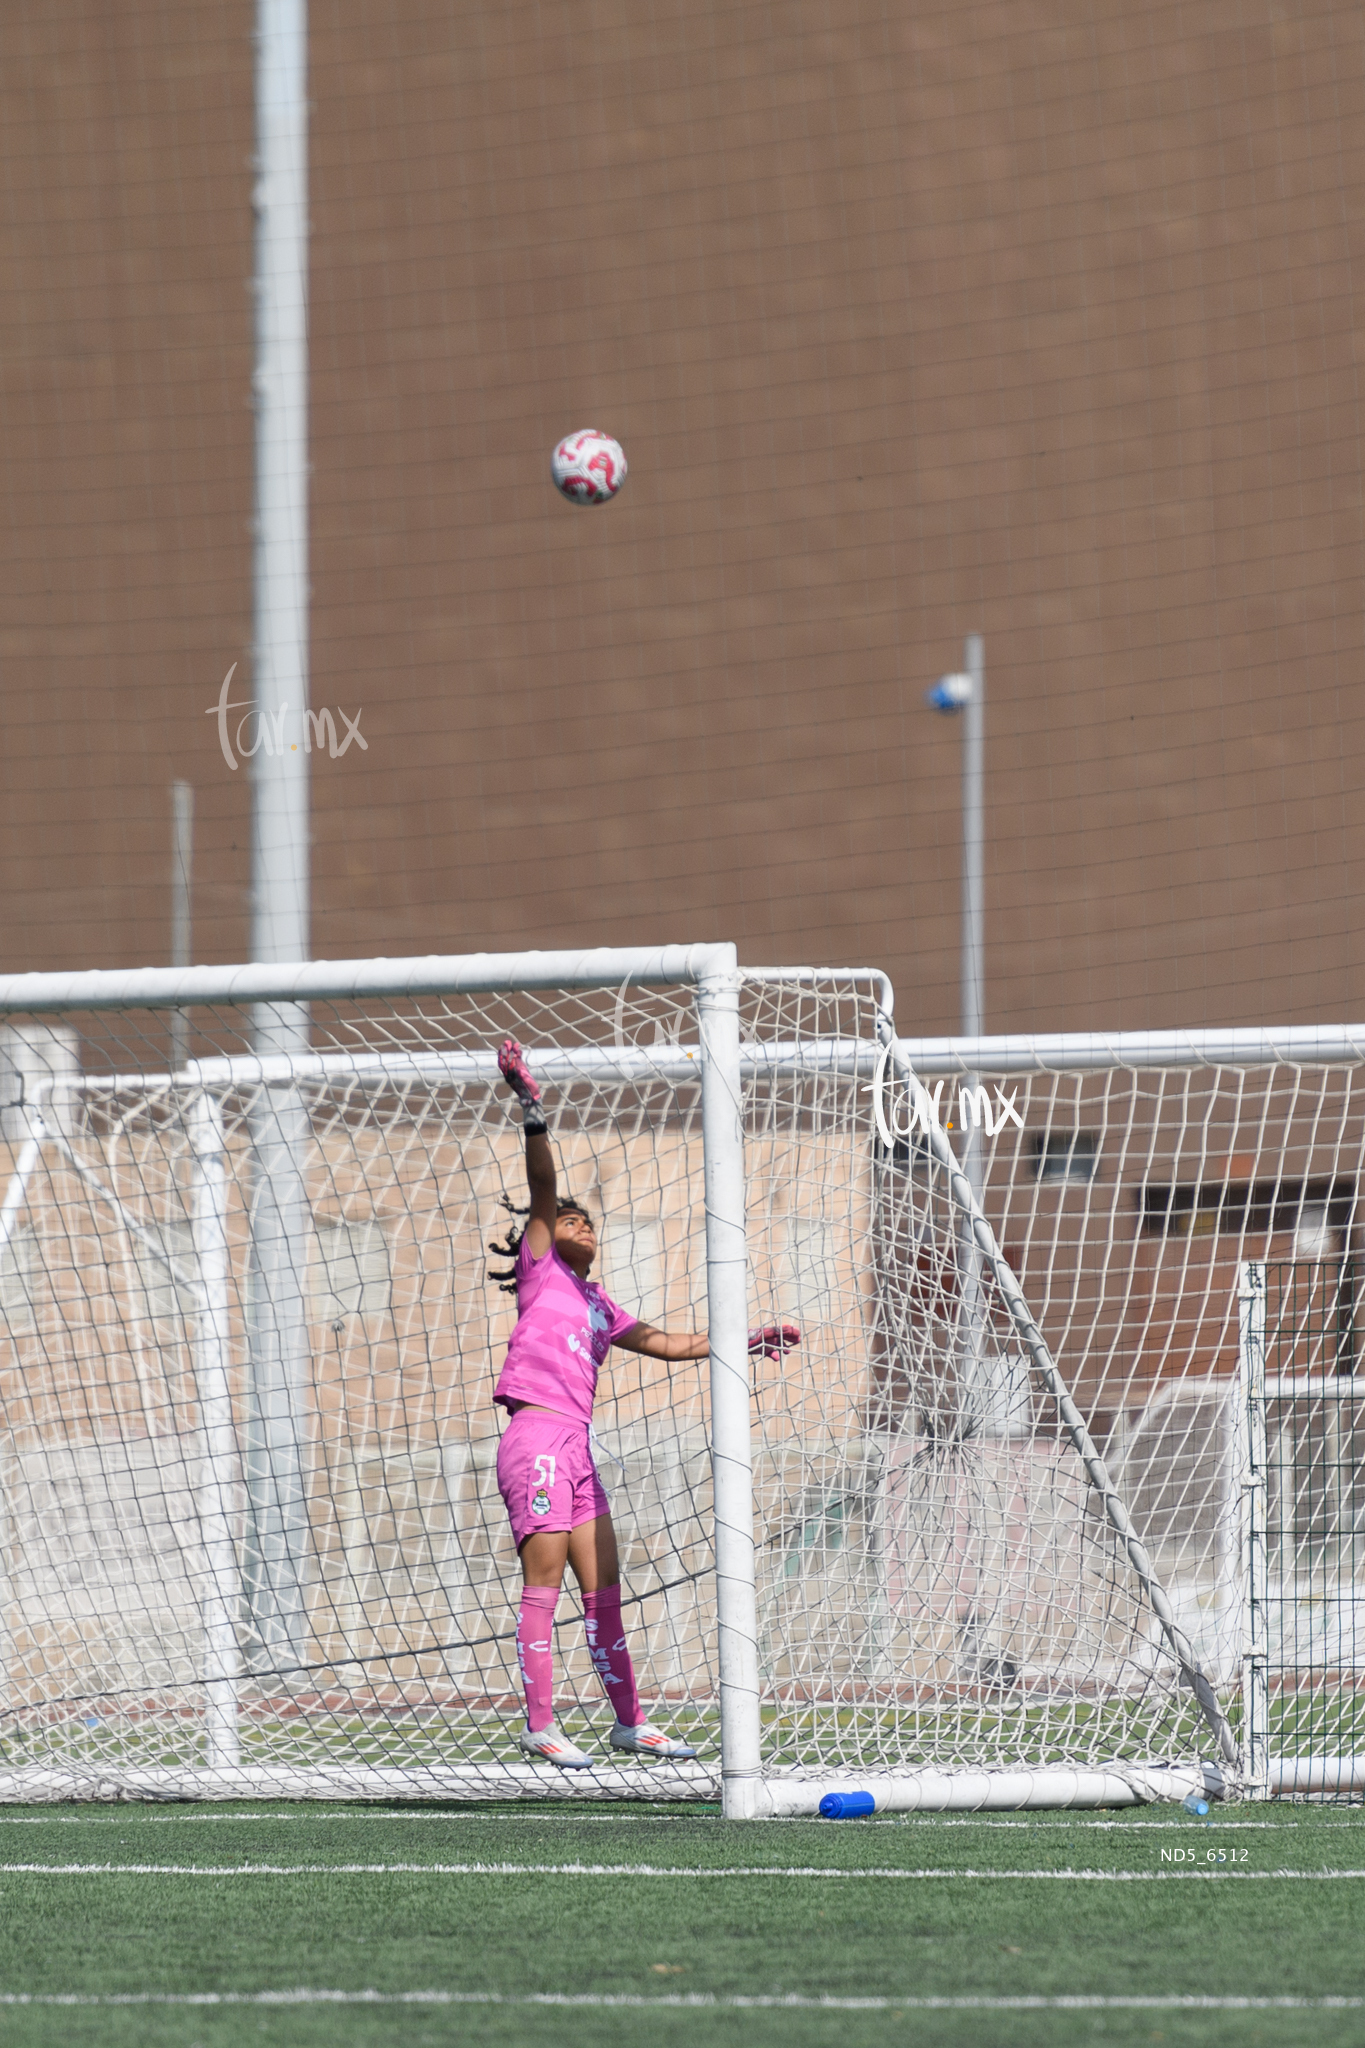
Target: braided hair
{"type": "Point", "coordinates": [507, 1282]}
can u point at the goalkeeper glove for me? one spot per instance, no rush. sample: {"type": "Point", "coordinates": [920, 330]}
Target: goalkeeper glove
{"type": "Point", "coordinates": [521, 1081]}
{"type": "Point", "coordinates": [773, 1340]}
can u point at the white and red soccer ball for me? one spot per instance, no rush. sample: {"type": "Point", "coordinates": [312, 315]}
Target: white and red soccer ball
{"type": "Point", "coordinates": [588, 468]}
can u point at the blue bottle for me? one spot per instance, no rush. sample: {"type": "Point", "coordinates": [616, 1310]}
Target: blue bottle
{"type": "Point", "coordinates": [847, 1805]}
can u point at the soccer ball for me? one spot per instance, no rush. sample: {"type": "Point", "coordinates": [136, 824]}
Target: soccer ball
{"type": "Point", "coordinates": [588, 467]}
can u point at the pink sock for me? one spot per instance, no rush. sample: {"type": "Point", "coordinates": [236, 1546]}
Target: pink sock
{"type": "Point", "coordinates": [535, 1621]}
{"type": "Point", "coordinates": [610, 1657]}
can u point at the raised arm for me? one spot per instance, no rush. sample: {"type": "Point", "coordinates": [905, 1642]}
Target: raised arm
{"type": "Point", "coordinates": [643, 1337]}
{"type": "Point", "coordinates": [540, 1162]}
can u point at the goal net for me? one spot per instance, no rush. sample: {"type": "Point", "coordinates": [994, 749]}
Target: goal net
{"type": "Point", "coordinates": [977, 1539]}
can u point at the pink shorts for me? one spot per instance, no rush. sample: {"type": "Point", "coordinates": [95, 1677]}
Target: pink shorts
{"type": "Point", "coordinates": [546, 1475]}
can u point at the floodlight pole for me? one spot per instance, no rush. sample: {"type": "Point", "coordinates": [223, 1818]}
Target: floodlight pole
{"type": "Point", "coordinates": [964, 694]}
{"type": "Point", "coordinates": [277, 1535]}
{"type": "Point", "coordinates": [279, 755]}
{"type": "Point", "coordinates": [973, 844]}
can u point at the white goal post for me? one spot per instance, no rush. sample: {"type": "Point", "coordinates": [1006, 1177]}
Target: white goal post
{"type": "Point", "coordinates": [964, 1547]}
{"type": "Point", "coordinates": [1297, 1423]}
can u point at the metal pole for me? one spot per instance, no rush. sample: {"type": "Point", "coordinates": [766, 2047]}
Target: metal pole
{"type": "Point", "coordinates": [182, 859]}
{"type": "Point", "coordinates": [280, 1220]}
{"type": "Point", "coordinates": [279, 751]}
{"type": "Point", "coordinates": [277, 1420]}
{"type": "Point", "coordinates": [732, 1474]}
{"type": "Point", "coordinates": [218, 1458]}
{"type": "Point", "coordinates": [987, 1380]}
{"type": "Point", "coordinates": [973, 842]}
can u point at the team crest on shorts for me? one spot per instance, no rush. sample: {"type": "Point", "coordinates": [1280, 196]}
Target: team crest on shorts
{"type": "Point", "coordinates": [540, 1502]}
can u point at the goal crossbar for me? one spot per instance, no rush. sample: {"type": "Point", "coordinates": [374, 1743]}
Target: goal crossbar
{"type": "Point", "coordinates": [434, 974]}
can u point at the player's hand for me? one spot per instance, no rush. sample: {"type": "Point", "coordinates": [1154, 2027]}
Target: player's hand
{"type": "Point", "coordinates": [516, 1073]}
{"type": "Point", "coordinates": [773, 1340]}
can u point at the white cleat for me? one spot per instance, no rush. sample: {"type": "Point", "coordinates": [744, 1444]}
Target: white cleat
{"type": "Point", "coordinates": [650, 1742]}
{"type": "Point", "coordinates": [553, 1748]}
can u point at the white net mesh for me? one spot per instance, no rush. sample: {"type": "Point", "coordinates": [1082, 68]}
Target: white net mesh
{"type": "Point", "coordinates": [1127, 1197]}
{"type": "Point", "coordinates": [250, 1513]}
{"type": "Point", "coordinates": [372, 1607]}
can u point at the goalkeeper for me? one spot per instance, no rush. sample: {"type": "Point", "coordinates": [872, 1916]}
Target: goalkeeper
{"type": "Point", "coordinates": [558, 1509]}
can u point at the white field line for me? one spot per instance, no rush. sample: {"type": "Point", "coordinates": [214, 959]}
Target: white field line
{"type": "Point", "coordinates": [702, 2000]}
{"type": "Point", "coordinates": [636, 1870]}
{"type": "Point", "coordinates": [933, 1821]}
{"type": "Point", "coordinates": [354, 1813]}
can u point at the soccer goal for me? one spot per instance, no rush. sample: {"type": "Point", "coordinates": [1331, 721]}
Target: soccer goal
{"type": "Point", "coordinates": [980, 1540]}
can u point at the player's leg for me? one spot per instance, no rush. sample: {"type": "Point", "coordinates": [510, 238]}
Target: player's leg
{"type": "Point", "coordinates": [596, 1565]}
{"type": "Point", "coordinates": [544, 1569]}
{"type": "Point", "coordinates": [595, 1559]}
{"type": "Point", "coordinates": [530, 1458]}
{"type": "Point", "coordinates": [542, 1564]}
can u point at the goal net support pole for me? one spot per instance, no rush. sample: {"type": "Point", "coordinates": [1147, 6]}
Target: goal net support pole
{"type": "Point", "coordinates": [1250, 1481]}
{"type": "Point", "coordinates": [1295, 1445]}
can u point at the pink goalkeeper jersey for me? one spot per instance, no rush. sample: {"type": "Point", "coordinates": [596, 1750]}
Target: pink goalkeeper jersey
{"type": "Point", "coordinates": [565, 1327]}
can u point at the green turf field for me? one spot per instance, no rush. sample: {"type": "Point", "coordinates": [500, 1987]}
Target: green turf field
{"type": "Point", "coordinates": [670, 1926]}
